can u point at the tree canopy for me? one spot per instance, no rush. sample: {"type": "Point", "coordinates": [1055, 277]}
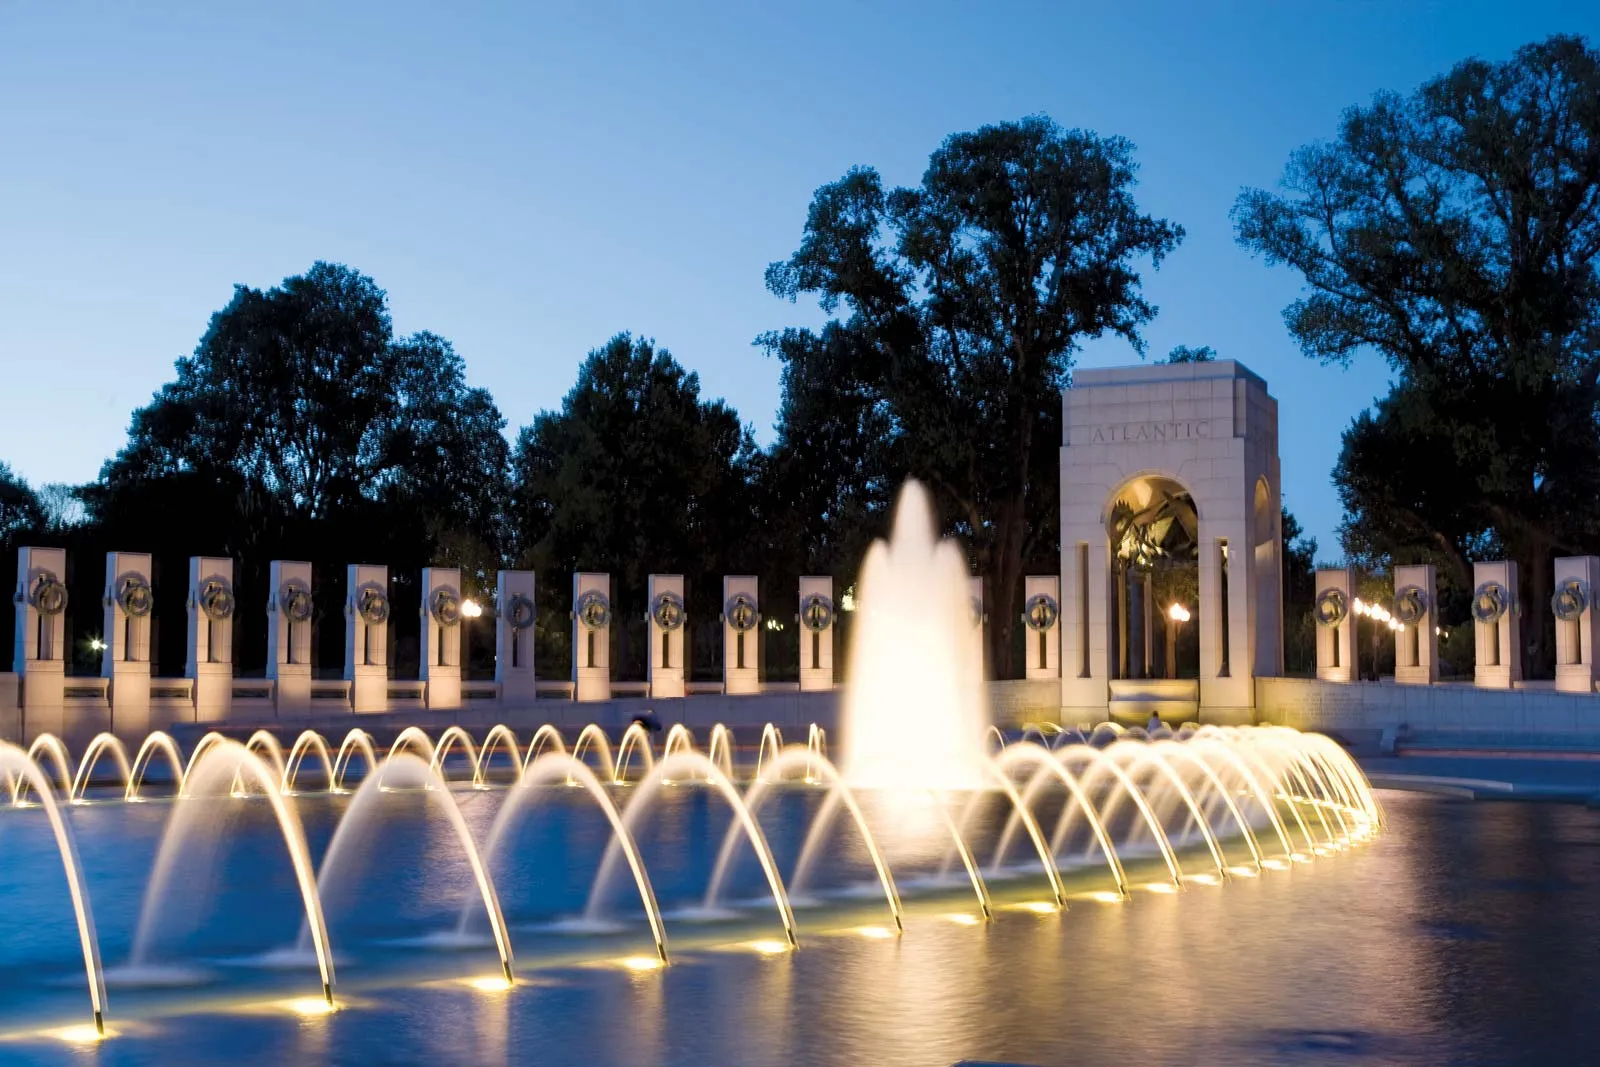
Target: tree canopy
{"type": "Point", "coordinates": [1455, 233]}
{"type": "Point", "coordinates": [967, 296]}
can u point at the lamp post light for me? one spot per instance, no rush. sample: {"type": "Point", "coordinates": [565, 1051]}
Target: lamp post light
{"type": "Point", "coordinates": [1382, 619]}
{"type": "Point", "coordinates": [470, 609]}
{"type": "Point", "coordinates": [1177, 615]}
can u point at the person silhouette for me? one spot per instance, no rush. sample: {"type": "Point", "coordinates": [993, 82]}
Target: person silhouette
{"type": "Point", "coordinates": [1154, 723]}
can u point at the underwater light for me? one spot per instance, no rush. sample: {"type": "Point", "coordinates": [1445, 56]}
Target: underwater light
{"type": "Point", "coordinates": [641, 963]}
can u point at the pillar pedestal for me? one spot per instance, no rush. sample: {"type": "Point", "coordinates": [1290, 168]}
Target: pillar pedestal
{"type": "Point", "coordinates": [366, 637]}
{"type": "Point", "coordinates": [741, 635]}
{"type": "Point", "coordinates": [817, 617]}
{"type": "Point", "coordinates": [665, 620]}
{"type": "Point", "coordinates": [129, 600]}
{"type": "Point", "coordinates": [591, 636]}
{"type": "Point", "coordinates": [209, 663]}
{"type": "Point", "coordinates": [289, 619]}
{"type": "Point", "coordinates": [513, 637]}
{"type": "Point", "coordinates": [440, 649]}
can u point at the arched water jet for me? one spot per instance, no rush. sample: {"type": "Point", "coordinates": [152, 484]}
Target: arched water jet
{"type": "Point", "coordinates": [691, 762]}
{"type": "Point", "coordinates": [20, 766]}
{"type": "Point", "coordinates": [1104, 763]}
{"type": "Point", "coordinates": [413, 771]}
{"type": "Point", "coordinates": [756, 796]}
{"type": "Point", "coordinates": [453, 736]}
{"type": "Point", "coordinates": [162, 742]}
{"type": "Point", "coordinates": [501, 735]}
{"type": "Point", "coordinates": [767, 751]}
{"type": "Point", "coordinates": [1029, 823]}
{"type": "Point", "coordinates": [356, 742]}
{"type": "Point", "coordinates": [1153, 754]}
{"type": "Point", "coordinates": [101, 744]}
{"type": "Point", "coordinates": [308, 741]}
{"type": "Point", "coordinates": [1247, 755]}
{"type": "Point", "coordinates": [635, 737]}
{"type": "Point", "coordinates": [679, 739]}
{"type": "Point", "coordinates": [206, 743]}
{"type": "Point", "coordinates": [555, 765]}
{"type": "Point", "coordinates": [720, 749]}
{"type": "Point", "coordinates": [412, 739]}
{"type": "Point", "coordinates": [1047, 766]}
{"type": "Point", "coordinates": [817, 745]}
{"type": "Point", "coordinates": [49, 747]}
{"type": "Point", "coordinates": [1186, 751]}
{"type": "Point", "coordinates": [1265, 798]}
{"type": "Point", "coordinates": [995, 735]}
{"type": "Point", "coordinates": [266, 741]}
{"type": "Point", "coordinates": [235, 762]}
{"type": "Point", "coordinates": [546, 736]}
{"type": "Point", "coordinates": [592, 737]}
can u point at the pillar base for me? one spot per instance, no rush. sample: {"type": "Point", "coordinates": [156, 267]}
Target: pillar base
{"type": "Point", "coordinates": [369, 690]}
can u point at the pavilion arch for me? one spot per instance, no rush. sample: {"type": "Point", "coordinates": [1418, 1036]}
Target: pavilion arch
{"type": "Point", "coordinates": [1211, 430]}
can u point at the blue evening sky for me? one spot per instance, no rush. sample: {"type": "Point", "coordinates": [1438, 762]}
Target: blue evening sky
{"type": "Point", "coordinates": [528, 178]}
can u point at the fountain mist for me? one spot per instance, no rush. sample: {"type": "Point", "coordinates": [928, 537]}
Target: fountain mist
{"type": "Point", "coordinates": [914, 713]}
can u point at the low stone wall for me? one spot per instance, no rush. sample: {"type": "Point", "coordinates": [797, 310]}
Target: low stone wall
{"type": "Point", "coordinates": [1013, 703]}
{"type": "Point", "coordinates": [1476, 716]}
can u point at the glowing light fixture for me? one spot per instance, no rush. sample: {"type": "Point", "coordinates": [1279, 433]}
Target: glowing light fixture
{"type": "Point", "coordinates": [641, 963]}
{"type": "Point", "coordinates": [85, 1034]}
{"type": "Point", "coordinates": [471, 609]}
{"type": "Point", "coordinates": [494, 983]}
{"type": "Point", "coordinates": [768, 948]}
{"type": "Point", "coordinates": [1178, 613]}
{"type": "Point", "coordinates": [1038, 907]}
{"type": "Point", "coordinates": [309, 1006]}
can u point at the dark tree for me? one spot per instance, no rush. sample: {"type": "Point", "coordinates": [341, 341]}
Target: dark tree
{"type": "Point", "coordinates": [20, 508]}
{"type": "Point", "coordinates": [967, 296]}
{"type": "Point", "coordinates": [636, 473]}
{"type": "Point", "coordinates": [1185, 354]}
{"type": "Point", "coordinates": [1455, 233]}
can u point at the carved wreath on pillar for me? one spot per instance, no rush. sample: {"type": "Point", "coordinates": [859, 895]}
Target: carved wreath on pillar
{"type": "Point", "coordinates": [1331, 607]}
{"type": "Point", "coordinates": [294, 600]}
{"type": "Point", "coordinates": [816, 613]}
{"type": "Point", "coordinates": [1570, 600]}
{"type": "Point", "coordinates": [445, 606]}
{"type": "Point", "coordinates": [1490, 601]}
{"type": "Point", "coordinates": [47, 595]}
{"type": "Point", "coordinates": [667, 611]}
{"type": "Point", "coordinates": [133, 595]}
{"type": "Point", "coordinates": [372, 604]}
{"type": "Point", "coordinates": [518, 612]}
{"type": "Point", "coordinates": [1410, 605]}
{"type": "Point", "coordinates": [740, 613]}
{"type": "Point", "coordinates": [1040, 612]}
{"type": "Point", "coordinates": [215, 599]}
{"type": "Point", "coordinates": [593, 610]}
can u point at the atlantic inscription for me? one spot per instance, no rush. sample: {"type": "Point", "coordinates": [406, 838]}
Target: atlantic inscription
{"type": "Point", "coordinates": [1131, 432]}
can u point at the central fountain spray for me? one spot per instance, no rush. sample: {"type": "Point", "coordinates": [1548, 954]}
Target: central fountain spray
{"type": "Point", "coordinates": [914, 713]}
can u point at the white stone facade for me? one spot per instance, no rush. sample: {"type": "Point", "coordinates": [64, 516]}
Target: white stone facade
{"type": "Point", "coordinates": [1212, 428]}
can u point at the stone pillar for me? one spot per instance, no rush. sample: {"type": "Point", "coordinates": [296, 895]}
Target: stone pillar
{"type": "Point", "coordinates": [1041, 614]}
{"type": "Point", "coordinates": [513, 637]}
{"type": "Point", "coordinates": [1416, 607]}
{"type": "Point", "coordinates": [816, 618]}
{"type": "Point", "coordinates": [209, 660]}
{"type": "Point", "coordinates": [1576, 623]}
{"type": "Point", "coordinates": [1336, 625]}
{"type": "Point", "coordinates": [1494, 611]}
{"type": "Point", "coordinates": [980, 627]}
{"type": "Point", "coordinates": [128, 601]}
{"type": "Point", "coordinates": [668, 612]}
{"type": "Point", "coordinates": [40, 657]}
{"type": "Point", "coordinates": [441, 637]}
{"type": "Point", "coordinates": [366, 637]}
{"type": "Point", "coordinates": [741, 635]}
{"type": "Point", "coordinates": [289, 608]}
{"type": "Point", "coordinates": [591, 636]}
